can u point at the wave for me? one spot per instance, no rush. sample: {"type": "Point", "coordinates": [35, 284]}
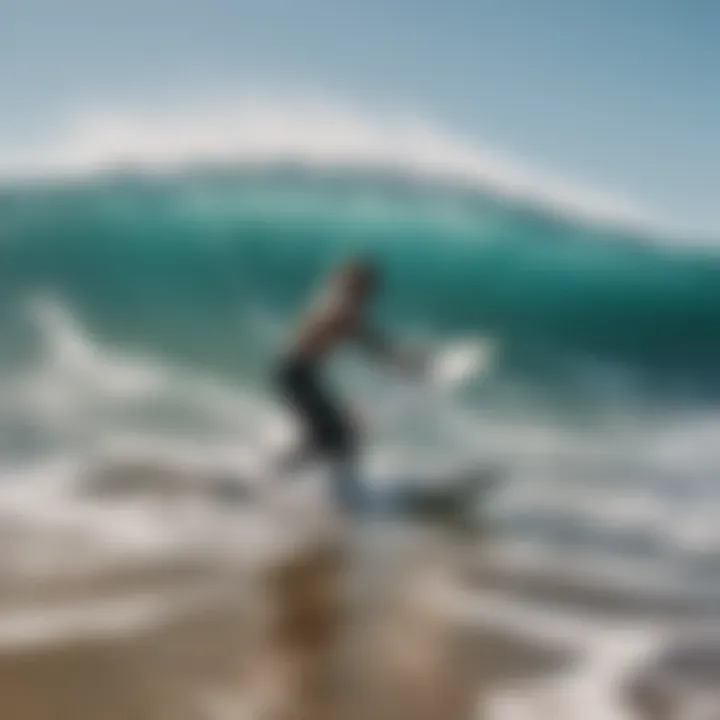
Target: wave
{"type": "Point", "coordinates": [138, 312]}
{"type": "Point", "coordinates": [315, 134]}
{"type": "Point", "coordinates": [182, 264]}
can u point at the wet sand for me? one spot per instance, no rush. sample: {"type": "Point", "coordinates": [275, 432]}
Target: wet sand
{"type": "Point", "coordinates": [285, 643]}
{"type": "Point", "coordinates": [281, 644]}
{"type": "Point", "coordinates": [683, 682]}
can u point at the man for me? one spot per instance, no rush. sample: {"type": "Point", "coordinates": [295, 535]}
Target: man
{"type": "Point", "coordinates": [340, 317]}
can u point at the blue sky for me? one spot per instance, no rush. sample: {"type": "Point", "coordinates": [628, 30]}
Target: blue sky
{"type": "Point", "coordinates": [621, 94]}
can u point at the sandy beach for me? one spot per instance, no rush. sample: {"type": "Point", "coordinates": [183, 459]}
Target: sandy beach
{"type": "Point", "coordinates": [206, 643]}
{"type": "Point", "coordinates": [287, 641]}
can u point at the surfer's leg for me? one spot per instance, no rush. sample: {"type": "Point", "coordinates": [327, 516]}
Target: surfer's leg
{"type": "Point", "coordinates": [296, 387]}
{"type": "Point", "coordinates": [295, 459]}
{"type": "Point", "coordinates": [330, 433]}
{"type": "Point", "coordinates": [347, 490]}
{"type": "Point", "coordinates": [337, 437]}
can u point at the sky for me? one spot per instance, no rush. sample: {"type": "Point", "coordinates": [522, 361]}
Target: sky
{"type": "Point", "coordinates": [620, 95]}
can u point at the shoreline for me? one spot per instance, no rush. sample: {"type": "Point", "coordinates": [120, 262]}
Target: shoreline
{"type": "Point", "coordinates": [212, 640]}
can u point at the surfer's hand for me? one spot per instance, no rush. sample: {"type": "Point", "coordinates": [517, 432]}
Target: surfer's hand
{"type": "Point", "coordinates": [414, 364]}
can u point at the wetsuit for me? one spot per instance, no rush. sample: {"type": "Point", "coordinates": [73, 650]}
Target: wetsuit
{"type": "Point", "coordinates": [331, 434]}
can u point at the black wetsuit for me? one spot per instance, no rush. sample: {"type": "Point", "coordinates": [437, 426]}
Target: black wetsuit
{"type": "Point", "coordinates": [331, 433]}
{"type": "Point", "coordinates": [329, 427]}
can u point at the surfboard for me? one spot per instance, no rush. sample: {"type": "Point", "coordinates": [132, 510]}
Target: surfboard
{"type": "Point", "coordinates": [460, 362]}
{"type": "Point", "coordinates": [447, 498]}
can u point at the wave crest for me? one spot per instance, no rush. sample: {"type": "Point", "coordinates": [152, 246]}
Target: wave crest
{"type": "Point", "coordinates": [318, 134]}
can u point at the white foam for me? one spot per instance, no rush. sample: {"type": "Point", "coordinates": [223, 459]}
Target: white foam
{"type": "Point", "coordinates": [106, 619]}
{"type": "Point", "coordinates": [617, 487]}
{"type": "Point", "coordinates": [73, 532]}
{"type": "Point", "coordinates": [64, 513]}
{"type": "Point", "coordinates": [313, 132]}
{"type": "Point", "coordinates": [608, 654]}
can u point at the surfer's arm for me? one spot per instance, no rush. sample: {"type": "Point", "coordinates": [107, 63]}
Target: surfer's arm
{"type": "Point", "coordinates": [379, 346]}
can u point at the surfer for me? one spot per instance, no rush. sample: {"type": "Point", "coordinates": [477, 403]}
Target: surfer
{"type": "Point", "coordinates": [339, 316]}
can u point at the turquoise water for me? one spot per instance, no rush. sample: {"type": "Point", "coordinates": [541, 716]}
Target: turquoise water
{"type": "Point", "coordinates": [146, 311]}
{"type": "Point", "coordinates": [139, 317]}
{"type": "Point", "coordinates": [180, 265]}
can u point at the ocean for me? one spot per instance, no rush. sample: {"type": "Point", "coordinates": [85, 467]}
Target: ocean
{"type": "Point", "coordinates": [141, 315]}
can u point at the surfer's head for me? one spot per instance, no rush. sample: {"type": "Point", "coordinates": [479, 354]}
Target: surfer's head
{"type": "Point", "coordinates": [359, 277]}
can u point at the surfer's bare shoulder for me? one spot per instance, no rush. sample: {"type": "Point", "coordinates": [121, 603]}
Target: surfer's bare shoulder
{"type": "Point", "coordinates": [328, 322]}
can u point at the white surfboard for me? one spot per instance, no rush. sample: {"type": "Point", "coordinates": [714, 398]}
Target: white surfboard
{"type": "Point", "coordinates": [461, 362]}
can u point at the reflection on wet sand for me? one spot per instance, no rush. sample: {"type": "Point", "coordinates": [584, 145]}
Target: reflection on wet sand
{"type": "Point", "coordinates": [295, 639]}
{"type": "Point", "coordinates": [279, 644]}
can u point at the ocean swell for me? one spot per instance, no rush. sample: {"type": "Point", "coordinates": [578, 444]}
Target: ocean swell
{"type": "Point", "coordinates": [177, 262]}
